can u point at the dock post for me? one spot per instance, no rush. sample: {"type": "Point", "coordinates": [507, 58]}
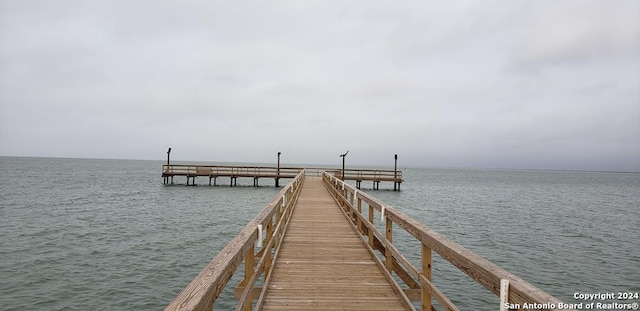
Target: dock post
{"type": "Point", "coordinates": [371, 244]}
{"type": "Point", "coordinates": [168, 157]}
{"type": "Point", "coordinates": [359, 221]}
{"type": "Point", "coordinates": [278, 171]}
{"type": "Point", "coordinates": [395, 172]}
{"type": "Point", "coordinates": [267, 265]}
{"type": "Point", "coordinates": [166, 178]}
{"type": "Point", "coordinates": [344, 155]}
{"type": "Point", "coordinates": [426, 270]}
{"type": "Point", "coordinates": [249, 264]}
{"type": "Point", "coordinates": [389, 236]}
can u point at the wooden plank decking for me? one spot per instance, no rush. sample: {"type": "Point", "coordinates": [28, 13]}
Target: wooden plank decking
{"type": "Point", "coordinates": [323, 264]}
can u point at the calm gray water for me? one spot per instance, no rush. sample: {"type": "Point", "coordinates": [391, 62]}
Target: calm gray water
{"type": "Point", "coordinates": [106, 234]}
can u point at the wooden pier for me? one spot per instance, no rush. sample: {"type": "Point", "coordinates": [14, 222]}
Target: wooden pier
{"type": "Point", "coordinates": [213, 172]}
{"type": "Point", "coordinates": [376, 176]}
{"type": "Point", "coordinates": [323, 263]}
{"type": "Point", "coordinates": [316, 246]}
{"type": "Point", "coordinates": [233, 172]}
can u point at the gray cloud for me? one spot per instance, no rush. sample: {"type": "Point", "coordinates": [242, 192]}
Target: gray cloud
{"type": "Point", "coordinates": [490, 84]}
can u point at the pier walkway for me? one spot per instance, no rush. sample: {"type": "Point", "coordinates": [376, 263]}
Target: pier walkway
{"type": "Point", "coordinates": [321, 244]}
{"type": "Point", "coordinates": [323, 264]}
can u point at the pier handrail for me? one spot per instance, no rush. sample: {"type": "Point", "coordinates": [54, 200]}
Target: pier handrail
{"type": "Point", "coordinates": [204, 170]}
{"type": "Point", "coordinates": [476, 267]}
{"type": "Point", "coordinates": [369, 173]}
{"type": "Point", "coordinates": [203, 291]}
{"type": "Point", "coordinates": [242, 171]}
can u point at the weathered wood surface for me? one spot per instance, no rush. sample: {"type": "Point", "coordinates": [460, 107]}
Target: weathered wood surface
{"type": "Point", "coordinates": [322, 263]}
{"type": "Point", "coordinates": [476, 267]}
{"type": "Point", "coordinates": [201, 293]}
{"type": "Point", "coordinates": [364, 174]}
{"type": "Point", "coordinates": [241, 171]}
{"type": "Point", "coordinates": [230, 171]}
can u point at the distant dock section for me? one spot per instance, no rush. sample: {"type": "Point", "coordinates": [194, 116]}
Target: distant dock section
{"type": "Point", "coordinates": [213, 172]}
{"type": "Point", "coordinates": [233, 172]}
{"type": "Point", "coordinates": [376, 176]}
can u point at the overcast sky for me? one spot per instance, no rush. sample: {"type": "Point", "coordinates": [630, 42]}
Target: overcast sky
{"type": "Point", "coordinates": [488, 84]}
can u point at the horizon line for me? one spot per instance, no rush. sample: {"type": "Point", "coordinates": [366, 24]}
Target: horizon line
{"type": "Point", "coordinates": [338, 165]}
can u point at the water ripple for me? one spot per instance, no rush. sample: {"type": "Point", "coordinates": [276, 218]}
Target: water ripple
{"type": "Point", "coordinates": [102, 234]}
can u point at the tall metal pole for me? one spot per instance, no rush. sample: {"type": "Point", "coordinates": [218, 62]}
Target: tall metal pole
{"type": "Point", "coordinates": [343, 167]}
{"type": "Point", "coordinates": [395, 173]}
{"type": "Point", "coordinates": [344, 155]}
{"type": "Point", "coordinates": [395, 167]}
{"type": "Point", "coordinates": [278, 171]}
{"type": "Point", "coordinates": [165, 174]}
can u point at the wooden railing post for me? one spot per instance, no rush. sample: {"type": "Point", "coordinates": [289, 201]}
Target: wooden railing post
{"type": "Point", "coordinates": [249, 263]}
{"type": "Point", "coordinates": [426, 270]}
{"type": "Point", "coordinates": [352, 198]}
{"type": "Point", "coordinates": [358, 221]}
{"type": "Point", "coordinates": [389, 236]}
{"type": "Point", "coordinates": [267, 251]}
{"type": "Point", "coordinates": [371, 222]}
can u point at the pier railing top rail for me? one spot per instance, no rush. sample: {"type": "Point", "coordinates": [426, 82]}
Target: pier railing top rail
{"type": "Point", "coordinates": [478, 268]}
{"type": "Point", "coordinates": [368, 174]}
{"type": "Point", "coordinates": [202, 292]}
{"type": "Point", "coordinates": [182, 169]}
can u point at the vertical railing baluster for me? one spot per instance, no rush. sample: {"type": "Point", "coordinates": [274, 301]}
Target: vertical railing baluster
{"type": "Point", "coordinates": [389, 236]}
{"type": "Point", "coordinates": [371, 222]}
{"type": "Point", "coordinates": [267, 251]}
{"type": "Point", "coordinates": [426, 270]}
{"type": "Point", "coordinates": [249, 262]}
{"type": "Point", "coordinates": [359, 221]}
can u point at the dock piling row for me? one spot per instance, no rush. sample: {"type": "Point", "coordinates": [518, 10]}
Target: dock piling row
{"type": "Point", "coordinates": [191, 172]}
